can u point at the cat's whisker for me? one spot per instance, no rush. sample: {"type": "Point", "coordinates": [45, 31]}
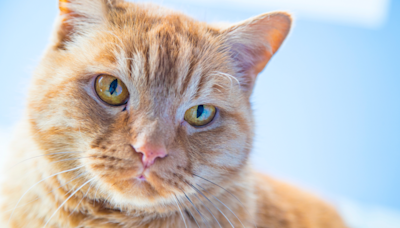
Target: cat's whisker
{"type": "Point", "coordinates": [183, 218]}
{"type": "Point", "coordinates": [70, 190]}
{"type": "Point", "coordinates": [71, 152]}
{"type": "Point", "coordinates": [222, 204]}
{"type": "Point", "coordinates": [65, 171]}
{"type": "Point", "coordinates": [67, 200]}
{"type": "Point", "coordinates": [95, 195]}
{"type": "Point", "coordinates": [212, 204]}
{"type": "Point", "coordinates": [51, 191]}
{"type": "Point", "coordinates": [203, 202]}
{"type": "Point", "coordinates": [230, 77]}
{"type": "Point", "coordinates": [240, 202]}
{"type": "Point", "coordinates": [187, 209]}
{"type": "Point", "coordinates": [221, 188]}
{"type": "Point", "coordinates": [69, 159]}
{"type": "Point", "coordinates": [201, 215]}
{"type": "Point", "coordinates": [87, 192]}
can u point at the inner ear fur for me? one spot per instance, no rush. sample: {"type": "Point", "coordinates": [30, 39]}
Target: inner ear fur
{"type": "Point", "coordinates": [78, 17]}
{"type": "Point", "coordinates": [253, 42]}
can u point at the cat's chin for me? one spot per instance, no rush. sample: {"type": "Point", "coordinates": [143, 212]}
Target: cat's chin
{"type": "Point", "coordinates": [138, 193]}
{"type": "Point", "coordinates": [140, 189]}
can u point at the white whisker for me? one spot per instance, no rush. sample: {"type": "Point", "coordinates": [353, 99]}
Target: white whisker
{"type": "Point", "coordinates": [201, 215]}
{"type": "Point", "coordinates": [204, 204]}
{"type": "Point", "coordinates": [224, 205]}
{"type": "Point", "coordinates": [98, 188]}
{"type": "Point", "coordinates": [65, 171]}
{"type": "Point", "coordinates": [221, 188]}
{"type": "Point", "coordinates": [67, 200]}
{"type": "Point", "coordinates": [237, 199]}
{"type": "Point", "coordinates": [180, 211]}
{"type": "Point", "coordinates": [189, 213]}
{"type": "Point", "coordinates": [231, 78]}
{"type": "Point", "coordinates": [81, 200]}
{"type": "Point", "coordinates": [72, 152]}
{"type": "Point", "coordinates": [51, 190]}
{"type": "Point", "coordinates": [213, 204]}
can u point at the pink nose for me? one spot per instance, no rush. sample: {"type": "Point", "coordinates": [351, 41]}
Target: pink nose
{"type": "Point", "coordinates": [150, 152]}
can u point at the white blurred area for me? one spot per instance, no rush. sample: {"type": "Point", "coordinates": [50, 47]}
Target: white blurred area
{"type": "Point", "coordinates": [358, 215]}
{"type": "Point", "coordinates": [364, 13]}
{"type": "Point", "coordinates": [5, 139]}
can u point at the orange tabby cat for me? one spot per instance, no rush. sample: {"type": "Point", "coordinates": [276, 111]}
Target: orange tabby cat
{"type": "Point", "coordinates": [139, 116]}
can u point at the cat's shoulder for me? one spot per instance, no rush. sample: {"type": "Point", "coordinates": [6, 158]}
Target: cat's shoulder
{"type": "Point", "coordinates": [285, 206]}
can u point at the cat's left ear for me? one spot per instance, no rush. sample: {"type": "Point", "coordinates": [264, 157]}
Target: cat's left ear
{"type": "Point", "coordinates": [78, 17]}
{"type": "Point", "coordinates": [253, 42]}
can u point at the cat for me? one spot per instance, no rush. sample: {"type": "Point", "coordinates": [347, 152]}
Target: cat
{"type": "Point", "coordinates": [139, 116]}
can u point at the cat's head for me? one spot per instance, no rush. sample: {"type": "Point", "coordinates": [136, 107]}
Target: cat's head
{"type": "Point", "coordinates": [148, 104]}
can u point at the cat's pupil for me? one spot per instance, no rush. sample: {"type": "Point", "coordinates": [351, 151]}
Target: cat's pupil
{"type": "Point", "coordinates": [113, 86]}
{"type": "Point", "coordinates": [200, 110]}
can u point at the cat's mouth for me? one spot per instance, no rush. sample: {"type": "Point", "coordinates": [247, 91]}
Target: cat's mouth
{"type": "Point", "coordinates": [136, 182]}
{"type": "Point", "coordinates": [143, 175]}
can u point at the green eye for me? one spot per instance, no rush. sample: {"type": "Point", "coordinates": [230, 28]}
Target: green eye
{"type": "Point", "coordinates": [111, 90]}
{"type": "Point", "coordinates": [200, 115]}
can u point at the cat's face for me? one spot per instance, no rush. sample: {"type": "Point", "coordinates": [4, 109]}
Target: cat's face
{"type": "Point", "coordinates": [150, 102]}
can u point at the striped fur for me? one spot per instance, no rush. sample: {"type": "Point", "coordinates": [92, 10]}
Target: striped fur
{"type": "Point", "coordinates": [85, 175]}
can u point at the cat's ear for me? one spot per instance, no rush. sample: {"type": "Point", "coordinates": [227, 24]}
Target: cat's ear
{"type": "Point", "coordinates": [253, 42]}
{"type": "Point", "coordinates": [77, 17]}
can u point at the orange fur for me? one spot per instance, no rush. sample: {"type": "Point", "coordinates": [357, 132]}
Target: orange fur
{"type": "Point", "coordinates": [87, 171]}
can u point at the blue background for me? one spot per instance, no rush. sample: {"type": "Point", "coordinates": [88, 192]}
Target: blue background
{"type": "Point", "coordinates": [327, 106]}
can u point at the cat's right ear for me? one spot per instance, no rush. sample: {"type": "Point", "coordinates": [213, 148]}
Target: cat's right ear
{"type": "Point", "coordinates": [78, 17]}
{"type": "Point", "coordinates": [253, 42]}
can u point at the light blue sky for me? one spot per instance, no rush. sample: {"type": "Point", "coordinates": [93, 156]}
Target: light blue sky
{"type": "Point", "coordinates": [327, 106]}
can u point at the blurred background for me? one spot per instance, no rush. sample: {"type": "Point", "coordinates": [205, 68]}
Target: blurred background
{"type": "Point", "coordinates": [327, 106]}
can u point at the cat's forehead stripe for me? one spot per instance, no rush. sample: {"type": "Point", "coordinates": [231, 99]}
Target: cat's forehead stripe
{"type": "Point", "coordinates": [172, 65]}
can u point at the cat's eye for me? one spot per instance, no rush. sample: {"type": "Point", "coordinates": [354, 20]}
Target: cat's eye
{"type": "Point", "coordinates": [111, 90]}
{"type": "Point", "coordinates": [200, 115]}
